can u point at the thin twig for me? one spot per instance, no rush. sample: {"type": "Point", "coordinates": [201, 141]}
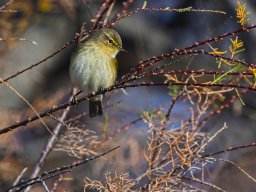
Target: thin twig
{"type": "Point", "coordinates": [203, 183]}
{"type": "Point", "coordinates": [185, 50]}
{"type": "Point", "coordinates": [229, 149]}
{"type": "Point", "coordinates": [45, 186]}
{"type": "Point", "coordinates": [108, 13]}
{"type": "Point", "coordinates": [196, 44]}
{"type": "Point", "coordinates": [182, 10]}
{"type": "Point", "coordinates": [6, 5]}
{"type": "Point", "coordinates": [27, 102]}
{"type": "Point", "coordinates": [56, 183]}
{"type": "Point", "coordinates": [18, 39]}
{"type": "Point", "coordinates": [51, 141]}
{"type": "Point", "coordinates": [55, 172]}
{"type": "Point", "coordinates": [114, 87]}
{"type": "Point", "coordinates": [240, 169]}
{"type": "Point", "coordinates": [101, 12]}
{"type": "Point", "coordinates": [125, 8]}
{"type": "Point", "coordinates": [42, 61]}
{"type": "Point", "coordinates": [19, 178]}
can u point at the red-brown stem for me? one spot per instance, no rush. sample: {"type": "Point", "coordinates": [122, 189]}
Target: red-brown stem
{"type": "Point", "coordinates": [187, 50]}
{"type": "Point", "coordinates": [50, 143]}
{"type": "Point", "coordinates": [6, 5]}
{"type": "Point", "coordinates": [150, 84]}
{"type": "Point", "coordinates": [199, 72]}
{"type": "Point", "coordinates": [229, 149]}
{"type": "Point", "coordinates": [56, 183]}
{"type": "Point", "coordinates": [60, 170]}
{"type": "Point", "coordinates": [43, 60]}
{"type": "Point", "coordinates": [222, 107]}
{"type": "Point", "coordinates": [142, 62]}
{"type": "Point", "coordinates": [101, 12]}
{"type": "Point", "coordinates": [125, 8]}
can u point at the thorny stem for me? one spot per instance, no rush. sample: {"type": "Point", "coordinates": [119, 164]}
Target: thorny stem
{"type": "Point", "coordinates": [174, 101]}
{"type": "Point", "coordinates": [125, 8]}
{"type": "Point", "coordinates": [19, 178]}
{"type": "Point", "coordinates": [6, 5]}
{"type": "Point", "coordinates": [203, 183]}
{"type": "Point", "coordinates": [101, 12]}
{"type": "Point", "coordinates": [201, 158]}
{"type": "Point", "coordinates": [51, 141]}
{"type": "Point", "coordinates": [49, 174]}
{"type": "Point", "coordinates": [142, 63]}
{"type": "Point", "coordinates": [42, 61]}
{"type": "Point", "coordinates": [156, 141]}
{"type": "Point", "coordinates": [150, 61]}
{"type": "Point", "coordinates": [114, 87]}
{"type": "Point", "coordinates": [222, 107]}
{"type": "Point", "coordinates": [228, 150]}
{"type": "Point", "coordinates": [149, 84]}
{"type": "Point", "coordinates": [138, 10]}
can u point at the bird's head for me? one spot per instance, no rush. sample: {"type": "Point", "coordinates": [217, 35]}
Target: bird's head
{"type": "Point", "coordinates": [109, 41]}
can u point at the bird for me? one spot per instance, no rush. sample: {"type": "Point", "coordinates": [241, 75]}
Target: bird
{"type": "Point", "coordinates": [93, 65]}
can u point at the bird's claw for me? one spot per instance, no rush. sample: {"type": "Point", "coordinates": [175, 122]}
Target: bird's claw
{"type": "Point", "coordinates": [102, 91]}
{"type": "Point", "coordinates": [74, 101]}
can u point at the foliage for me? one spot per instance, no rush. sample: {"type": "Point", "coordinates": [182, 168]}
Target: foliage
{"type": "Point", "coordinates": [176, 154]}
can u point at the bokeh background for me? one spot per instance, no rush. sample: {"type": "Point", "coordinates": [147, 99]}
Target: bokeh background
{"type": "Point", "coordinates": [52, 23]}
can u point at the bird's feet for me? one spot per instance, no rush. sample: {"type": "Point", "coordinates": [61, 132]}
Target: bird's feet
{"type": "Point", "coordinates": [102, 91]}
{"type": "Point", "coordinates": [74, 101]}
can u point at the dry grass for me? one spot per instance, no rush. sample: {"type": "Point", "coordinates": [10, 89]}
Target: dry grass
{"type": "Point", "coordinates": [174, 157]}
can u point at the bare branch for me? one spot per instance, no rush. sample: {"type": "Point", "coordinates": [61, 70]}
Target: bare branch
{"type": "Point", "coordinates": [52, 173]}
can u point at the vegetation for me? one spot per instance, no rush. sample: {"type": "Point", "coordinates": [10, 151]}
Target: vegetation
{"type": "Point", "coordinates": [174, 153]}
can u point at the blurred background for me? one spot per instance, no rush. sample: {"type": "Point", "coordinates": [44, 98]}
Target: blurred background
{"type": "Point", "coordinates": [51, 24]}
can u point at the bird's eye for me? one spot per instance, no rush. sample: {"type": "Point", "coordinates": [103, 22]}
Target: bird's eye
{"type": "Point", "coordinates": [110, 41]}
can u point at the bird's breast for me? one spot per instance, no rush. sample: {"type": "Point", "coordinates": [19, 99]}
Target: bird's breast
{"type": "Point", "coordinates": [107, 71]}
{"type": "Point", "coordinates": [91, 69]}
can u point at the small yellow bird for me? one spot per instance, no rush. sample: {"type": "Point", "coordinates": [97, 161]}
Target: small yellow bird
{"type": "Point", "coordinates": [94, 66]}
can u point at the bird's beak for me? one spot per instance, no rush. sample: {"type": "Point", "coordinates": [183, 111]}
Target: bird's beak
{"type": "Point", "coordinates": [121, 49]}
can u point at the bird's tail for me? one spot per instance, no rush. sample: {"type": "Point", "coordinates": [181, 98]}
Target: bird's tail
{"type": "Point", "coordinates": [95, 108]}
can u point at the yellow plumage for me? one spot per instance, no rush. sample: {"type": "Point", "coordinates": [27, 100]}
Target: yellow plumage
{"type": "Point", "coordinates": [94, 66]}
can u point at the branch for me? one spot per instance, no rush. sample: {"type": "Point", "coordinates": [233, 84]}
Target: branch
{"type": "Point", "coordinates": [19, 178]}
{"type": "Point", "coordinates": [142, 63]}
{"type": "Point", "coordinates": [222, 107]}
{"type": "Point", "coordinates": [139, 10]}
{"type": "Point", "coordinates": [3, 8]}
{"type": "Point", "coordinates": [115, 87]}
{"type": "Point", "coordinates": [203, 183]}
{"type": "Point", "coordinates": [49, 174]}
{"type": "Point", "coordinates": [199, 72]}
{"type": "Point", "coordinates": [101, 12]}
{"type": "Point", "coordinates": [186, 50]}
{"type": "Point", "coordinates": [51, 141]}
{"type": "Point", "coordinates": [43, 60]}
{"type": "Point", "coordinates": [229, 149]}
{"type": "Point", "coordinates": [124, 9]}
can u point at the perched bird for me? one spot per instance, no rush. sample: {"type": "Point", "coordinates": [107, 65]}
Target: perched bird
{"type": "Point", "coordinates": [94, 66]}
